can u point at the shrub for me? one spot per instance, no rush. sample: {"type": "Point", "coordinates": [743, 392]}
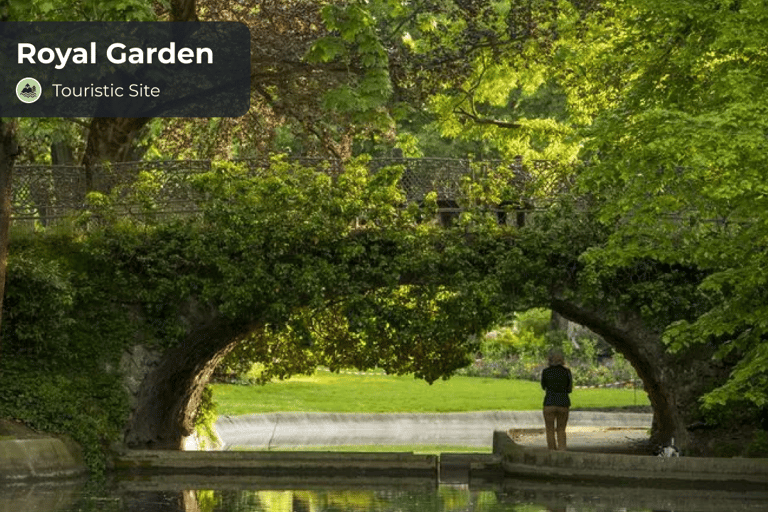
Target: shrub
{"type": "Point", "coordinates": [759, 445]}
{"type": "Point", "coordinates": [519, 351]}
{"type": "Point", "coordinates": [63, 334]}
{"type": "Point", "coordinates": [89, 407]}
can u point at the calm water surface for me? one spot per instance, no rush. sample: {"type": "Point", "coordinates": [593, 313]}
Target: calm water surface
{"type": "Point", "coordinates": [242, 494]}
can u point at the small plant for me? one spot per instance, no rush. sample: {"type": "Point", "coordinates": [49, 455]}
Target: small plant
{"type": "Point", "coordinates": [759, 445]}
{"type": "Point", "coordinates": [206, 418]}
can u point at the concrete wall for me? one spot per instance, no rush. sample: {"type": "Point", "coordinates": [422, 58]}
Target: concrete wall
{"type": "Point", "coordinates": [275, 430]}
{"type": "Point", "coordinates": [519, 461]}
{"type": "Point", "coordinates": [39, 458]}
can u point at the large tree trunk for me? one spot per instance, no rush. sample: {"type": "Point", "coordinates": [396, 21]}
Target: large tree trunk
{"type": "Point", "coordinates": [9, 148]}
{"type": "Point", "coordinates": [110, 139]}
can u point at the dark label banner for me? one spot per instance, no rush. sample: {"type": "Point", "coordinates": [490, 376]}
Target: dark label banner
{"type": "Point", "coordinates": [124, 69]}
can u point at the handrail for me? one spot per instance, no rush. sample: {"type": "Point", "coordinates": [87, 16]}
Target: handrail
{"type": "Point", "coordinates": [47, 192]}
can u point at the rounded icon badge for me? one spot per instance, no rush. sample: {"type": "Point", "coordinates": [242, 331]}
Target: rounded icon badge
{"type": "Point", "coordinates": [28, 90]}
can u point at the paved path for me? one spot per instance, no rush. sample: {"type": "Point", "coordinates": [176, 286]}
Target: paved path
{"type": "Point", "coordinates": [586, 429]}
{"type": "Point", "coordinates": [629, 441]}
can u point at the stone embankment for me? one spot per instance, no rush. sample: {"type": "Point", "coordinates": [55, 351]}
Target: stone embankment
{"type": "Point", "coordinates": [509, 461]}
{"type": "Point", "coordinates": [540, 463]}
{"type": "Point", "coordinates": [591, 437]}
{"type": "Point", "coordinates": [25, 455]}
{"type": "Point", "coordinates": [300, 463]}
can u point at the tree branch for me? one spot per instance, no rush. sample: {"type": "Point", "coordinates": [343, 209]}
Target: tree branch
{"type": "Point", "coordinates": [484, 120]}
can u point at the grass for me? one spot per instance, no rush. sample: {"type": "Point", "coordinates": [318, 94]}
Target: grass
{"type": "Point", "coordinates": [380, 393]}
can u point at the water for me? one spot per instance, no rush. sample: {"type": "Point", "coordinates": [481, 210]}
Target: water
{"type": "Point", "coordinates": [170, 493]}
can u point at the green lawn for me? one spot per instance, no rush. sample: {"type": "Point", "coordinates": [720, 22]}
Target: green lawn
{"type": "Point", "coordinates": [329, 392]}
{"type": "Point", "coordinates": [422, 449]}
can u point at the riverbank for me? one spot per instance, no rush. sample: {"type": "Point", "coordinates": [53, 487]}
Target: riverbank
{"type": "Point", "coordinates": [602, 446]}
{"type": "Point", "coordinates": [508, 460]}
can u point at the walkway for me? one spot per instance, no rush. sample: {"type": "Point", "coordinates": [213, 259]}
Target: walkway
{"type": "Point", "coordinates": [587, 430]}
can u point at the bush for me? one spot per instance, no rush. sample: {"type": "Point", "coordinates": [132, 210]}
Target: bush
{"type": "Point", "coordinates": [519, 351]}
{"type": "Point", "coordinates": [37, 309]}
{"type": "Point", "coordinates": [759, 445]}
{"type": "Point", "coordinates": [89, 407]}
{"type": "Point", "coordinates": [206, 418]}
{"type": "Point", "coordinates": [62, 340]}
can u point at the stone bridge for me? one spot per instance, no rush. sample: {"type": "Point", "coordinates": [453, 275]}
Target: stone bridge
{"type": "Point", "coordinates": [166, 386]}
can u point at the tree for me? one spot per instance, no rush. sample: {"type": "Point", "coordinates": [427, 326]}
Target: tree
{"type": "Point", "coordinates": [665, 101]}
{"type": "Point", "coordinates": [500, 90]}
{"type": "Point", "coordinates": [107, 139]}
{"type": "Point", "coordinates": [681, 165]}
{"type": "Point", "coordinates": [8, 150]}
{"type": "Point", "coordinates": [354, 76]}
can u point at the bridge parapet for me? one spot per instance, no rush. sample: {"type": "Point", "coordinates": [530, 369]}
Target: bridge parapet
{"type": "Point", "coordinates": [45, 193]}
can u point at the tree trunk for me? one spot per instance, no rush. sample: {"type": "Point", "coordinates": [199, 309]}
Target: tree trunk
{"type": "Point", "coordinates": [110, 139]}
{"type": "Point", "coordinates": [8, 151]}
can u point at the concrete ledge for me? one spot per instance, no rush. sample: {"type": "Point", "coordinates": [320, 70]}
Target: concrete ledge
{"type": "Point", "coordinates": [274, 430]}
{"type": "Point", "coordinates": [39, 458]}
{"type": "Point", "coordinates": [463, 468]}
{"type": "Point", "coordinates": [523, 462]}
{"type": "Point", "coordinates": [163, 482]}
{"type": "Point", "coordinates": [278, 463]}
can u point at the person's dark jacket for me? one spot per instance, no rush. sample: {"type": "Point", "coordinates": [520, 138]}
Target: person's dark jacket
{"type": "Point", "coordinates": [557, 381]}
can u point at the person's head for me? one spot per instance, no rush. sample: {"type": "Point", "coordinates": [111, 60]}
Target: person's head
{"type": "Point", "coordinates": [556, 357]}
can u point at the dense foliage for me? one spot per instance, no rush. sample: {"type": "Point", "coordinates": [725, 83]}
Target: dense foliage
{"type": "Point", "coordinates": [681, 165]}
{"type": "Point", "coordinates": [664, 99]}
{"type": "Point", "coordinates": [63, 334]}
{"type": "Point", "coordinates": [331, 270]}
{"type": "Point", "coordinates": [518, 348]}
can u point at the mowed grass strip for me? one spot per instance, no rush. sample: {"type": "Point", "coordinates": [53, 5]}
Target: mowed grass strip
{"type": "Point", "coordinates": [420, 449]}
{"type": "Point", "coordinates": [380, 393]}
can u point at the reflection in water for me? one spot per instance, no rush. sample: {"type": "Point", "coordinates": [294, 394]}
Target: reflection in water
{"type": "Point", "coordinates": [44, 497]}
{"type": "Point", "coordinates": [443, 500]}
{"type": "Point", "coordinates": [161, 494]}
{"type": "Point", "coordinates": [161, 501]}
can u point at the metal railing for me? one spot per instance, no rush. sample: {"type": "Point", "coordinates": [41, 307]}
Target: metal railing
{"type": "Point", "coordinates": [44, 193]}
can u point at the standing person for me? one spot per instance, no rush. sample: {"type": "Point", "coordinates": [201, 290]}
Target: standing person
{"type": "Point", "coordinates": [557, 381]}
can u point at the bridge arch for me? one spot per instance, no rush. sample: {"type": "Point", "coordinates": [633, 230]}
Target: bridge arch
{"type": "Point", "coordinates": [644, 350]}
{"type": "Point", "coordinates": [170, 391]}
{"type": "Point", "coordinates": [171, 384]}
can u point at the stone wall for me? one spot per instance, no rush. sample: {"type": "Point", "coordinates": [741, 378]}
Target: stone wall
{"type": "Point", "coordinates": [27, 455]}
{"type": "Point", "coordinates": [135, 364]}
